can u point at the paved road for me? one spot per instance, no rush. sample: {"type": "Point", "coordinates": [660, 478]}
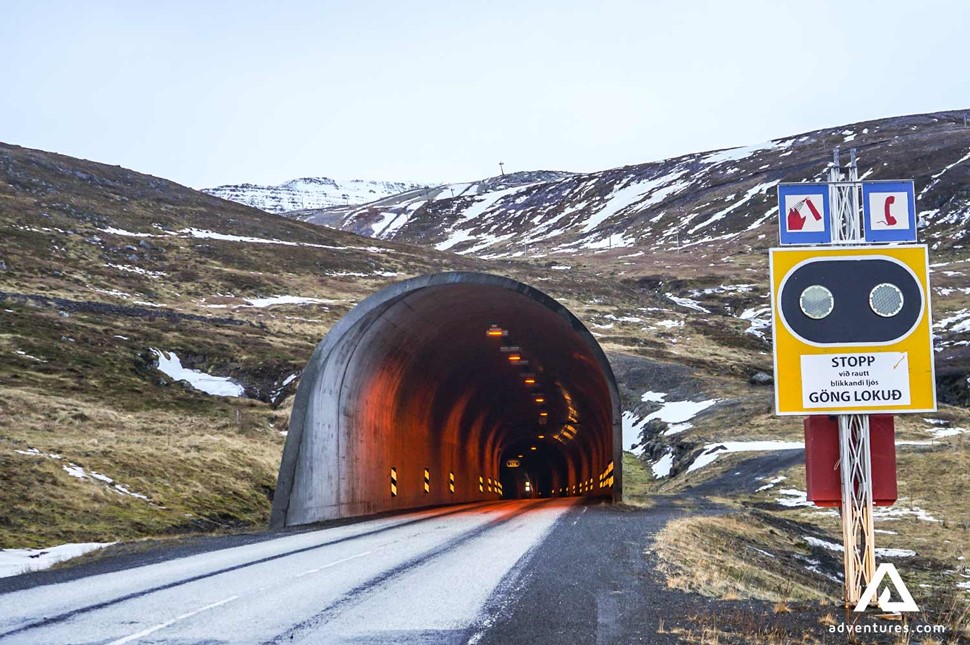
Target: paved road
{"type": "Point", "coordinates": [440, 576]}
{"type": "Point", "coordinates": [592, 582]}
{"type": "Point", "coordinates": [529, 571]}
{"type": "Point", "coordinates": [420, 577]}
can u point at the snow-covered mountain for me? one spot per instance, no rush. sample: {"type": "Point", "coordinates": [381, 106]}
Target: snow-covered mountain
{"type": "Point", "coordinates": [723, 199]}
{"type": "Point", "coordinates": [311, 192]}
{"type": "Point", "coordinates": [396, 210]}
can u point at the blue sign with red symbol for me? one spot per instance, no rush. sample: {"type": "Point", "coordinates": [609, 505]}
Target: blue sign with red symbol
{"type": "Point", "coordinates": [804, 210]}
{"type": "Point", "coordinates": [889, 211]}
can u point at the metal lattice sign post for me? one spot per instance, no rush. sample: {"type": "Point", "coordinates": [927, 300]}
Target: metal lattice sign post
{"type": "Point", "coordinates": [851, 326]}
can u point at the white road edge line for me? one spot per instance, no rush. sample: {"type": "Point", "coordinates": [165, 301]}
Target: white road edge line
{"type": "Point", "coordinates": [152, 630]}
{"type": "Point", "coordinates": [331, 564]}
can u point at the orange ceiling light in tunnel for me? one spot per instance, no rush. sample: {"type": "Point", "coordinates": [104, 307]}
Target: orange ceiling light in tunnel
{"type": "Point", "coordinates": [494, 331]}
{"type": "Point", "coordinates": [513, 353]}
{"type": "Point", "coordinates": [386, 388]}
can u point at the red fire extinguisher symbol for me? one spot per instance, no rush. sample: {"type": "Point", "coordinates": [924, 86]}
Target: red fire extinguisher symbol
{"type": "Point", "coordinates": [796, 221]}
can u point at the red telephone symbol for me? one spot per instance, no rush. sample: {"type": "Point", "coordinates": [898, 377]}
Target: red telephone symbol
{"type": "Point", "coordinates": [890, 220]}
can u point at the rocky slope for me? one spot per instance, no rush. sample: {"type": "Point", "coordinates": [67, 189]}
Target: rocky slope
{"type": "Point", "coordinates": [722, 200]}
{"type": "Point", "coordinates": [396, 210]}
{"type": "Point", "coordinates": [310, 192]}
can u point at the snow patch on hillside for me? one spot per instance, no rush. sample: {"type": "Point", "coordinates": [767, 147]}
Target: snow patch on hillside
{"type": "Point", "coordinates": [687, 303]}
{"type": "Point", "coordinates": [662, 467]}
{"type": "Point", "coordinates": [457, 237]}
{"type": "Point", "coordinates": [14, 562]}
{"type": "Point", "coordinates": [743, 152]}
{"type": "Point", "coordinates": [759, 320]}
{"type": "Point", "coordinates": [721, 214]}
{"type": "Point", "coordinates": [935, 179]}
{"type": "Point", "coordinates": [677, 414]}
{"type": "Point", "coordinates": [957, 323]}
{"type": "Point", "coordinates": [474, 212]}
{"type": "Point", "coordinates": [632, 426]}
{"type": "Point", "coordinates": [79, 472]}
{"type": "Point", "coordinates": [614, 241]}
{"type": "Point", "coordinates": [204, 234]}
{"type": "Point", "coordinates": [712, 451]}
{"type": "Point", "coordinates": [286, 300]}
{"type": "Point", "coordinates": [883, 553]}
{"type": "Point", "coordinates": [630, 194]}
{"type": "Point", "coordinates": [311, 192]}
{"type": "Point", "coordinates": [170, 365]}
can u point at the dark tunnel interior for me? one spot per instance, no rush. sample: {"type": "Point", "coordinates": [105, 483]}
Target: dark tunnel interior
{"type": "Point", "coordinates": [445, 393]}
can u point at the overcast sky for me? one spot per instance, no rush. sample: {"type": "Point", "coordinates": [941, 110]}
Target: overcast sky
{"type": "Point", "coordinates": [207, 93]}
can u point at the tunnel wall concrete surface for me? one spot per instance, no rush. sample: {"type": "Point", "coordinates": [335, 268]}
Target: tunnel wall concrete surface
{"type": "Point", "coordinates": [408, 402]}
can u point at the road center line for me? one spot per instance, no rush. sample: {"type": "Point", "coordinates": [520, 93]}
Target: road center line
{"type": "Point", "coordinates": [152, 630]}
{"type": "Point", "coordinates": [333, 564]}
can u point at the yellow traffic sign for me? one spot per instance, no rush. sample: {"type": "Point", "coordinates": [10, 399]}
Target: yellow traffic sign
{"type": "Point", "coordinates": [852, 330]}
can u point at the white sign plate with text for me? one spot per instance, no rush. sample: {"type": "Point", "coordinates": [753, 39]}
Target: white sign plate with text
{"type": "Point", "coordinates": [872, 378]}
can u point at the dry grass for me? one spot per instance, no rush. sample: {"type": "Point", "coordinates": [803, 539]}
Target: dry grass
{"type": "Point", "coordinates": [920, 471]}
{"type": "Point", "coordinates": [200, 472]}
{"type": "Point", "coordinates": [638, 482]}
{"type": "Point", "coordinates": [935, 479]}
{"type": "Point", "coordinates": [731, 558]}
{"type": "Point", "coordinates": [710, 633]}
{"type": "Point", "coordinates": [955, 614]}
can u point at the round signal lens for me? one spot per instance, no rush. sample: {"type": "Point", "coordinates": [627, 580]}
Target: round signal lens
{"type": "Point", "coordinates": [816, 302]}
{"type": "Point", "coordinates": [886, 300]}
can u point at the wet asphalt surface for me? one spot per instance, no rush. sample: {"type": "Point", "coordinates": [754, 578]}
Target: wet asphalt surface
{"type": "Point", "coordinates": [590, 577]}
{"type": "Point", "coordinates": [592, 582]}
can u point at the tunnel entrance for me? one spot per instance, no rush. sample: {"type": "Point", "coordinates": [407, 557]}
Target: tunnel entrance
{"type": "Point", "coordinates": [450, 388]}
{"type": "Point", "coordinates": [536, 468]}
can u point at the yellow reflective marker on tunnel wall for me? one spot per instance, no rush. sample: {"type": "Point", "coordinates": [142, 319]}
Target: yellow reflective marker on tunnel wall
{"type": "Point", "coordinates": [852, 330]}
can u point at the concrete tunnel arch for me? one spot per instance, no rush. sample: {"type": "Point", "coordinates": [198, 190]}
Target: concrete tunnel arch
{"type": "Point", "coordinates": [409, 402]}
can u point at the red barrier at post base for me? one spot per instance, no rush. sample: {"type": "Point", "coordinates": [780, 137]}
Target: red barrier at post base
{"type": "Point", "coordinates": [823, 480]}
{"type": "Point", "coordinates": [822, 475]}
